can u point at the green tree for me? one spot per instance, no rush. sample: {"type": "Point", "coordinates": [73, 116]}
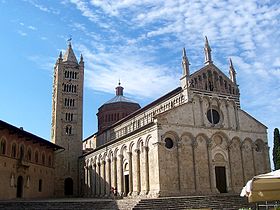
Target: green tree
{"type": "Point", "coordinates": [276, 149]}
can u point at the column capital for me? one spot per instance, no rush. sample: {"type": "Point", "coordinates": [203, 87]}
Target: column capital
{"type": "Point", "coordinates": [137, 150]}
{"type": "Point", "coordinates": [120, 156]}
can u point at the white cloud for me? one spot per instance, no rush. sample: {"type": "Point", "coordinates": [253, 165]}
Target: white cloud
{"type": "Point", "coordinates": [22, 33]}
{"type": "Point", "coordinates": [138, 77]}
{"type": "Point", "coordinates": [140, 37]}
{"type": "Point", "coordinates": [32, 28]}
{"type": "Point", "coordinates": [42, 7]}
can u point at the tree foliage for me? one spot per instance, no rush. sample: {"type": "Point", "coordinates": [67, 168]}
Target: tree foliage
{"type": "Point", "coordinates": [276, 149]}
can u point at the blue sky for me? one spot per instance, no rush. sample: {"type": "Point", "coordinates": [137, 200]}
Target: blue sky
{"type": "Point", "coordinates": [140, 43]}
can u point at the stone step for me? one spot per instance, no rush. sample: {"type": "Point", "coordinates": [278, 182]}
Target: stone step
{"type": "Point", "coordinates": [194, 202]}
{"type": "Point", "coordinates": [42, 205]}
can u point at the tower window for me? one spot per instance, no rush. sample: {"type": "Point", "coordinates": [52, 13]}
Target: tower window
{"type": "Point", "coordinates": [68, 130]}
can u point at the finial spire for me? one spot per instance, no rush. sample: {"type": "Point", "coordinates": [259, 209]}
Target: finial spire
{"type": "Point", "coordinates": [69, 54]}
{"type": "Point", "coordinates": [185, 64]}
{"type": "Point", "coordinates": [232, 72]}
{"type": "Point", "coordinates": [60, 55]}
{"type": "Point", "coordinates": [69, 40]}
{"type": "Point", "coordinates": [119, 82]}
{"type": "Point", "coordinates": [207, 52]}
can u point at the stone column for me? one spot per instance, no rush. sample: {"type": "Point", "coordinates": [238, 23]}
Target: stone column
{"type": "Point", "coordinates": [120, 176]}
{"type": "Point", "coordinates": [130, 173]}
{"type": "Point", "coordinates": [201, 111]}
{"type": "Point", "coordinates": [236, 116]}
{"type": "Point", "coordinates": [253, 157]}
{"type": "Point", "coordinates": [242, 164]}
{"type": "Point", "coordinates": [94, 179]}
{"type": "Point", "coordinates": [89, 181]}
{"type": "Point", "coordinates": [115, 177]}
{"type": "Point", "coordinates": [211, 180]}
{"type": "Point", "coordinates": [266, 159]}
{"type": "Point", "coordinates": [146, 154]}
{"type": "Point", "coordinates": [228, 118]}
{"type": "Point", "coordinates": [108, 177]}
{"type": "Point", "coordinates": [98, 179]}
{"type": "Point", "coordinates": [230, 187]}
{"type": "Point", "coordinates": [194, 146]}
{"type": "Point", "coordinates": [86, 180]}
{"type": "Point", "coordinates": [136, 173]}
{"type": "Point", "coordinates": [102, 179]}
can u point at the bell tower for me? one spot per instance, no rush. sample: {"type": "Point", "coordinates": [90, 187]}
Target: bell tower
{"type": "Point", "coordinates": [67, 119]}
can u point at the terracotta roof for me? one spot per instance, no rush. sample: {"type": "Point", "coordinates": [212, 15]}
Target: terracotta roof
{"type": "Point", "coordinates": [27, 135]}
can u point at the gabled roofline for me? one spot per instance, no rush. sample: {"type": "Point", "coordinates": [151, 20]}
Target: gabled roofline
{"type": "Point", "coordinates": [5, 125]}
{"type": "Point", "coordinates": [247, 114]}
{"type": "Point", "coordinates": [213, 65]}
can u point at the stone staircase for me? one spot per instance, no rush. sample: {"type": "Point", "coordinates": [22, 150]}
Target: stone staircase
{"type": "Point", "coordinates": [219, 202]}
{"type": "Point", "coordinates": [126, 204]}
{"type": "Point", "coordinates": [59, 205]}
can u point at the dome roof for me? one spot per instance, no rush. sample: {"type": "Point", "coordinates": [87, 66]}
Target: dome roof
{"type": "Point", "coordinates": [119, 97]}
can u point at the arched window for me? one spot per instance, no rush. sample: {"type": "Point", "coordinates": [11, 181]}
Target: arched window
{"type": "Point", "coordinates": [3, 147]}
{"type": "Point", "coordinates": [29, 154]}
{"type": "Point", "coordinates": [14, 150]}
{"type": "Point", "coordinates": [43, 159]}
{"type": "Point", "coordinates": [21, 152]}
{"type": "Point", "coordinates": [50, 161]}
{"type": "Point", "coordinates": [36, 157]}
{"type": "Point", "coordinates": [68, 130]}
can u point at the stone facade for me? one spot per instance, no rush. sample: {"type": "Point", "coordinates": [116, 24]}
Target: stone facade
{"type": "Point", "coordinates": [67, 118]}
{"type": "Point", "coordinates": [26, 164]}
{"type": "Point", "coordinates": [194, 140]}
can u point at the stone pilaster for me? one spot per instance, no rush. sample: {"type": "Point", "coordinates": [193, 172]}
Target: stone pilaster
{"type": "Point", "coordinates": [120, 176]}
{"type": "Point", "coordinates": [136, 173]}
{"type": "Point", "coordinates": [130, 173]}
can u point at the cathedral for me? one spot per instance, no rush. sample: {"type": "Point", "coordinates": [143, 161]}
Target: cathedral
{"type": "Point", "coordinates": [194, 140]}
